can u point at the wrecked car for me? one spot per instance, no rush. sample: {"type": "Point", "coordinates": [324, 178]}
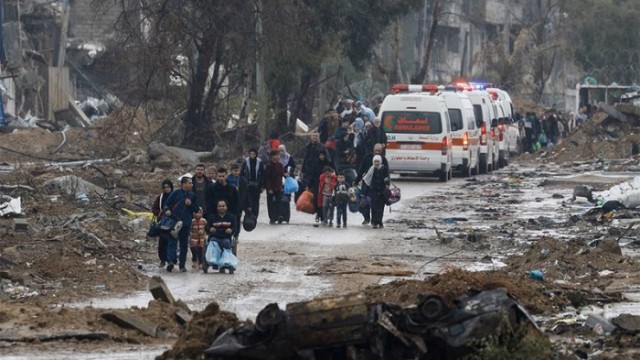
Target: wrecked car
{"type": "Point", "coordinates": [350, 328]}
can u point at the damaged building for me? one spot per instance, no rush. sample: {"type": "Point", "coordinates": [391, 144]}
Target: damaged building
{"type": "Point", "coordinates": [47, 46]}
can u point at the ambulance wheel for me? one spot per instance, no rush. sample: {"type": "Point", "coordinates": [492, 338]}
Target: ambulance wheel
{"type": "Point", "coordinates": [444, 176]}
{"type": "Point", "coordinates": [467, 171]}
{"type": "Point", "coordinates": [476, 169]}
{"type": "Point", "coordinates": [484, 167]}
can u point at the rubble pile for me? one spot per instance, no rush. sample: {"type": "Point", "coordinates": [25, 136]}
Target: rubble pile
{"type": "Point", "coordinates": [162, 319]}
{"type": "Point", "coordinates": [200, 332]}
{"type": "Point", "coordinates": [611, 133]}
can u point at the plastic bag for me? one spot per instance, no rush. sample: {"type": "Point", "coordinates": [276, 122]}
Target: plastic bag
{"type": "Point", "coordinates": [176, 228]}
{"type": "Point", "coordinates": [392, 195]}
{"type": "Point", "coordinates": [290, 185]}
{"type": "Point", "coordinates": [154, 230]}
{"type": "Point", "coordinates": [249, 222]}
{"type": "Point", "coordinates": [365, 205]}
{"type": "Point", "coordinates": [227, 259]}
{"type": "Point", "coordinates": [354, 199]}
{"type": "Point", "coordinates": [305, 203]}
{"type": "Point", "coordinates": [212, 255]}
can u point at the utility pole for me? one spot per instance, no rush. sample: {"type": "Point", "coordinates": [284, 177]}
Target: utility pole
{"type": "Point", "coordinates": [506, 28]}
{"type": "Point", "coordinates": [260, 82]}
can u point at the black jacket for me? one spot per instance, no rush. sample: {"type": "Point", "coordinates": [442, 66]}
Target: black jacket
{"type": "Point", "coordinates": [219, 192]}
{"type": "Point", "coordinates": [253, 167]}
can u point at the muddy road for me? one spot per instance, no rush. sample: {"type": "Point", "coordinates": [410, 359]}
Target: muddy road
{"type": "Point", "coordinates": [475, 224]}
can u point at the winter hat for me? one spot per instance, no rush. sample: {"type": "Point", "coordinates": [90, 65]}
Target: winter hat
{"type": "Point", "coordinates": [167, 182]}
{"type": "Point", "coordinates": [253, 150]}
{"type": "Point", "coordinates": [377, 157]}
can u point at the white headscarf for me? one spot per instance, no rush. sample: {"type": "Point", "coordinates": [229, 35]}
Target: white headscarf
{"type": "Point", "coordinates": [369, 175]}
{"type": "Point", "coordinates": [284, 157]}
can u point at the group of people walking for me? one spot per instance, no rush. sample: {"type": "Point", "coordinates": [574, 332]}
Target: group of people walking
{"type": "Point", "coordinates": [343, 161]}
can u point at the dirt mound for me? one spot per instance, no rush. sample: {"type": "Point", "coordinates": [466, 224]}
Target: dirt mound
{"type": "Point", "coordinates": [572, 261]}
{"type": "Point", "coordinates": [454, 283]}
{"type": "Point", "coordinates": [200, 332]}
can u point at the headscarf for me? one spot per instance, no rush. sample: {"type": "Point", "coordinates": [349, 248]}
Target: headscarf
{"type": "Point", "coordinates": [360, 123]}
{"type": "Point", "coordinates": [164, 198]}
{"type": "Point", "coordinates": [377, 157]}
{"type": "Point", "coordinates": [369, 175]}
{"type": "Point", "coordinates": [284, 157]}
{"type": "Point", "coordinates": [167, 182]}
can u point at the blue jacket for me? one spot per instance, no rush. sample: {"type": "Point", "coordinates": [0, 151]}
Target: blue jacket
{"type": "Point", "coordinates": [182, 211]}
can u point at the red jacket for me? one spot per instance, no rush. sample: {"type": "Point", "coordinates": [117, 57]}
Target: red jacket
{"type": "Point", "coordinates": [333, 180]}
{"type": "Point", "coordinates": [273, 174]}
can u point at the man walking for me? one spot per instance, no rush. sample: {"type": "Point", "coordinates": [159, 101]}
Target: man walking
{"type": "Point", "coordinates": [273, 184]}
{"type": "Point", "coordinates": [253, 171]}
{"type": "Point", "coordinates": [200, 185]}
{"type": "Point", "coordinates": [180, 205]}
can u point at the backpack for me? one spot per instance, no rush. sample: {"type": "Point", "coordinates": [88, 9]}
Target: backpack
{"type": "Point", "coordinates": [263, 153]}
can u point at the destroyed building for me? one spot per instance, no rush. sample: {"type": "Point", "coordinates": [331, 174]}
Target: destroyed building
{"type": "Point", "coordinates": [47, 45]}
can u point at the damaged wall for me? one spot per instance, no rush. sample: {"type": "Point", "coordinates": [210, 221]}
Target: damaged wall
{"type": "Point", "coordinates": [89, 24]}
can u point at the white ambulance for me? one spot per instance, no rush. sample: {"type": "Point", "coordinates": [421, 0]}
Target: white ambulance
{"type": "Point", "coordinates": [502, 108]}
{"type": "Point", "coordinates": [483, 110]}
{"type": "Point", "coordinates": [465, 131]}
{"type": "Point", "coordinates": [418, 129]}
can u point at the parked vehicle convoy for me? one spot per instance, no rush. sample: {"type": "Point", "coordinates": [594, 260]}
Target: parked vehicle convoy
{"type": "Point", "coordinates": [465, 131]}
{"type": "Point", "coordinates": [418, 127]}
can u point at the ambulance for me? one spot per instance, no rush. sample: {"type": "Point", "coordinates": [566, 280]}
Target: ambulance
{"type": "Point", "coordinates": [503, 109]}
{"type": "Point", "coordinates": [419, 138]}
{"type": "Point", "coordinates": [483, 110]}
{"type": "Point", "coordinates": [465, 131]}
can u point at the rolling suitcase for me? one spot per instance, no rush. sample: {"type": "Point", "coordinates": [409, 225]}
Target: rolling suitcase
{"type": "Point", "coordinates": [285, 211]}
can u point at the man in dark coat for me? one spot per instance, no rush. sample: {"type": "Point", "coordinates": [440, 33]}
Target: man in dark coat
{"type": "Point", "coordinates": [273, 174]}
{"type": "Point", "coordinates": [181, 204]}
{"type": "Point", "coordinates": [222, 190]}
{"type": "Point", "coordinates": [253, 170]}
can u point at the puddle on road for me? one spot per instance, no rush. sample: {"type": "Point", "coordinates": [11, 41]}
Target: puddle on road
{"type": "Point", "coordinates": [142, 352]}
{"type": "Point", "coordinates": [245, 293]}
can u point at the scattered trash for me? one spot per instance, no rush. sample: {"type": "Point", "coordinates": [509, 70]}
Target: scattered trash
{"type": "Point", "coordinates": [12, 207]}
{"type": "Point", "coordinates": [599, 325]}
{"type": "Point", "coordinates": [536, 275]}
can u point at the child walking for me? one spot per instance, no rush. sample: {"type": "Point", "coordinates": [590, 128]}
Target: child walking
{"type": "Point", "coordinates": [341, 198]}
{"type": "Point", "coordinates": [197, 239]}
{"type": "Point", "coordinates": [325, 198]}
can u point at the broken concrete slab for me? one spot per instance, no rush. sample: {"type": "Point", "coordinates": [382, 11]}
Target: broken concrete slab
{"type": "Point", "coordinates": [183, 316]}
{"type": "Point", "coordinates": [160, 291]}
{"type": "Point", "coordinates": [18, 336]}
{"type": "Point", "coordinates": [158, 150]}
{"type": "Point", "coordinates": [20, 224]}
{"type": "Point", "coordinates": [126, 320]}
{"type": "Point", "coordinates": [72, 185]}
{"type": "Point", "coordinates": [627, 322]}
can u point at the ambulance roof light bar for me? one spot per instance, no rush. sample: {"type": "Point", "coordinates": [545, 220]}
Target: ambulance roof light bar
{"type": "Point", "coordinates": [407, 88]}
{"type": "Point", "coordinates": [480, 85]}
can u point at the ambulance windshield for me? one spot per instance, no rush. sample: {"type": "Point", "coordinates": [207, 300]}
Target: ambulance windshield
{"type": "Point", "coordinates": [412, 122]}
